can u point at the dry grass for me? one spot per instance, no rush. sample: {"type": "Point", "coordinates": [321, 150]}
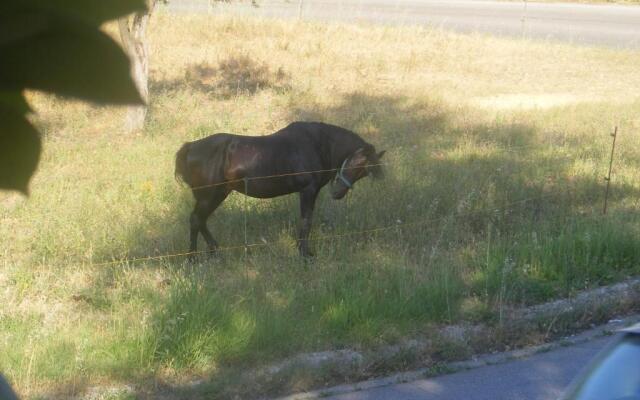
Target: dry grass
{"type": "Point", "coordinates": [444, 105]}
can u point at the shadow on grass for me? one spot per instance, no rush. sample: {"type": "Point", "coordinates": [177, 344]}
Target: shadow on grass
{"type": "Point", "coordinates": [234, 76]}
{"type": "Point", "coordinates": [468, 209]}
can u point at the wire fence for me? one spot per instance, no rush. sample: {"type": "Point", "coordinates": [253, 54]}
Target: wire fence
{"type": "Point", "coordinates": [502, 209]}
{"type": "Point", "coordinates": [330, 170]}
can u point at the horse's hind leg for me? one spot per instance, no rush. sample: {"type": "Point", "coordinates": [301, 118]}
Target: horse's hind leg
{"type": "Point", "coordinates": [213, 204]}
{"type": "Point", "coordinates": [198, 221]}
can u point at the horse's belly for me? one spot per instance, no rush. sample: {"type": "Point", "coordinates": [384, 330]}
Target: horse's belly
{"type": "Point", "coordinates": [264, 188]}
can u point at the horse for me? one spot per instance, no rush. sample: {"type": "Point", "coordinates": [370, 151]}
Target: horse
{"type": "Point", "coordinates": [302, 157]}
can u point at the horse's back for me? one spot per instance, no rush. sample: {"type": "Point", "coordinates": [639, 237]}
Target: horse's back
{"type": "Point", "coordinates": [303, 128]}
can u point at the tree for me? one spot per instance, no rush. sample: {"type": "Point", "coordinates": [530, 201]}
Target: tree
{"type": "Point", "coordinates": [55, 46]}
{"type": "Point", "coordinates": [133, 32]}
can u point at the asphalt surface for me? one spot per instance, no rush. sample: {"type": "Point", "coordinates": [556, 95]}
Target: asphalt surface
{"type": "Point", "coordinates": [540, 377]}
{"type": "Point", "coordinates": [603, 25]}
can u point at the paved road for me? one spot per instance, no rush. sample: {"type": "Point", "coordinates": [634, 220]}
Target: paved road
{"type": "Point", "coordinates": [606, 25]}
{"type": "Point", "coordinates": [540, 377]}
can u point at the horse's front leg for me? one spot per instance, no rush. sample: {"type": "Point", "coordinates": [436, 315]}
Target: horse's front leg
{"type": "Point", "coordinates": [307, 203]}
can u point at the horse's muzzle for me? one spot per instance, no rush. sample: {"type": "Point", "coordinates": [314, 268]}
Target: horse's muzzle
{"type": "Point", "coordinates": [338, 190]}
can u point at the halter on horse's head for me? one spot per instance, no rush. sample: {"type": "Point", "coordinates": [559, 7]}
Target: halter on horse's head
{"type": "Point", "coordinates": [362, 162]}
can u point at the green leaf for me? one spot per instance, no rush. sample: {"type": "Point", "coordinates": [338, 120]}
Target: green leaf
{"type": "Point", "coordinates": [14, 100]}
{"type": "Point", "coordinates": [69, 59]}
{"type": "Point", "coordinates": [19, 151]}
{"type": "Point", "coordinates": [18, 26]}
{"type": "Point", "coordinates": [94, 12]}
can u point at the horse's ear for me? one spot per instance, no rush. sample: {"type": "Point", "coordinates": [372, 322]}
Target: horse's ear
{"type": "Point", "coordinates": [368, 150]}
{"type": "Point", "coordinates": [379, 155]}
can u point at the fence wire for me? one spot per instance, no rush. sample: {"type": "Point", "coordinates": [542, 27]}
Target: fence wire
{"type": "Point", "coordinates": [456, 215]}
{"type": "Point", "coordinates": [510, 149]}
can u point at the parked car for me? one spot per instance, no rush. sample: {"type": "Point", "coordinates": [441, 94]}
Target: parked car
{"type": "Point", "coordinates": [615, 372]}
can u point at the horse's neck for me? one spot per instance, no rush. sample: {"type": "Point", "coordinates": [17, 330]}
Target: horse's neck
{"type": "Point", "coordinates": [344, 149]}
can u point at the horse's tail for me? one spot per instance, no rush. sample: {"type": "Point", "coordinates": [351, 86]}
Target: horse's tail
{"type": "Point", "coordinates": [181, 171]}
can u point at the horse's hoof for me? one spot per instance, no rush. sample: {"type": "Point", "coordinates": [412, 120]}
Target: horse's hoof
{"type": "Point", "coordinates": [307, 255]}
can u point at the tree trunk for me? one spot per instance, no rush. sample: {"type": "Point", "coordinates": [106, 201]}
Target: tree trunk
{"type": "Point", "coordinates": [134, 41]}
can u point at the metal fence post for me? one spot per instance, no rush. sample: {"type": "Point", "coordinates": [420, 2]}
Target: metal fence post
{"type": "Point", "coordinates": [300, 3]}
{"type": "Point", "coordinates": [608, 177]}
{"type": "Point", "coordinates": [523, 19]}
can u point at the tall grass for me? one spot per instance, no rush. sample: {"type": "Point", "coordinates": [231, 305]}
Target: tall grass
{"type": "Point", "coordinates": [492, 199]}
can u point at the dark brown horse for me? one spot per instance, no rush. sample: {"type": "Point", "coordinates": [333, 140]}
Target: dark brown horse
{"type": "Point", "coordinates": [303, 157]}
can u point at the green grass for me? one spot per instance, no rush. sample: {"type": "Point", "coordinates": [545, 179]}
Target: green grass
{"type": "Point", "coordinates": [492, 199]}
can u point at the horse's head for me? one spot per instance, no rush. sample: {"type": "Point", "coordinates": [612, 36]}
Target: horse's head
{"type": "Point", "coordinates": [361, 163]}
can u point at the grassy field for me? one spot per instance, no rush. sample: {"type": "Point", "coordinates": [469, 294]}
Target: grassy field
{"type": "Point", "coordinates": [492, 199]}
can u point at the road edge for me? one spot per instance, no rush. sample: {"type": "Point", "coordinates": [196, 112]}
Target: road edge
{"type": "Point", "coordinates": [479, 361]}
{"type": "Point", "coordinates": [584, 310]}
